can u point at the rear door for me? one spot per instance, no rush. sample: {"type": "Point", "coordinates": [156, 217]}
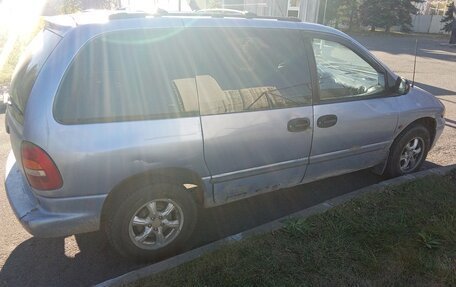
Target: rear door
{"type": "Point", "coordinates": [355, 116]}
{"type": "Point", "coordinates": [255, 103]}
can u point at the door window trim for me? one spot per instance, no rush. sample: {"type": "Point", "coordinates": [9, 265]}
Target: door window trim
{"type": "Point", "coordinates": [310, 36]}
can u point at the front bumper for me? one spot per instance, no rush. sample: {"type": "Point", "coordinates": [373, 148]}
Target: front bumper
{"type": "Point", "coordinates": [50, 217]}
{"type": "Point", "coordinates": [440, 124]}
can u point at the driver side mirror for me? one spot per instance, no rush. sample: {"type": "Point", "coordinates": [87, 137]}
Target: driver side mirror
{"type": "Point", "coordinates": [401, 86]}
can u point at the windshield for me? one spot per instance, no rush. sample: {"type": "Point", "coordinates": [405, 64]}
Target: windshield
{"type": "Point", "coordinates": [27, 70]}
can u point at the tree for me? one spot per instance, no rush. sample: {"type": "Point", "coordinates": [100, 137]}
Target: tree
{"type": "Point", "coordinates": [347, 12]}
{"type": "Point", "coordinates": [340, 11]}
{"type": "Point", "coordinates": [453, 33]}
{"type": "Point", "coordinates": [331, 11]}
{"type": "Point", "coordinates": [387, 13]}
{"type": "Point", "coordinates": [211, 4]}
{"type": "Point", "coordinates": [100, 4]}
{"type": "Point", "coordinates": [71, 6]}
{"type": "Point", "coordinates": [450, 23]}
{"type": "Point", "coordinates": [448, 18]}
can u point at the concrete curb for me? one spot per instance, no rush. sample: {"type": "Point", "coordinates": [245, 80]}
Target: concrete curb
{"type": "Point", "coordinates": [267, 227]}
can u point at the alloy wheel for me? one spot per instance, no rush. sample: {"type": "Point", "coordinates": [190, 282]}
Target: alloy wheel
{"type": "Point", "coordinates": [156, 224]}
{"type": "Point", "coordinates": [411, 155]}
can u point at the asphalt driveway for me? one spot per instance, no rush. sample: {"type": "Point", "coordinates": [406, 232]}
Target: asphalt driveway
{"type": "Point", "coordinates": [86, 259]}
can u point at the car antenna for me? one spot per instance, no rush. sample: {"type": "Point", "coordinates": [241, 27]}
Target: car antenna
{"type": "Point", "coordinates": [414, 62]}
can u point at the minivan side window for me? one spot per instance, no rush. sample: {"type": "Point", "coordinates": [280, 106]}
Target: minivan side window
{"type": "Point", "coordinates": [342, 74]}
{"type": "Point", "coordinates": [28, 68]}
{"type": "Point", "coordinates": [241, 69]}
{"type": "Point", "coordinates": [128, 75]}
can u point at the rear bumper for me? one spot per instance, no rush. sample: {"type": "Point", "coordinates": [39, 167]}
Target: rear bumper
{"type": "Point", "coordinates": [50, 217]}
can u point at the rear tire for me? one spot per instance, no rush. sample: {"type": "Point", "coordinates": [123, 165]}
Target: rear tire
{"type": "Point", "coordinates": [152, 222]}
{"type": "Point", "coordinates": [409, 151]}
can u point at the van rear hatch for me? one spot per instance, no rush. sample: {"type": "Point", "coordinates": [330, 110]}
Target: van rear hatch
{"type": "Point", "coordinates": [23, 80]}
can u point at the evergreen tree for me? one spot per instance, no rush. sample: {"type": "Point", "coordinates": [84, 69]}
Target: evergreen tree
{"type": "Point", "coordinates": [348, 12]}
{"type": "Point", "coordinates": [331, 11]}
{"type": "Point", "coordinates": [453, 32]}
{"type": "Point", "coordinates": [100, 4]}
{"type": "Point", "coordinates": [387, 13]}
{"type": "Point", "coordinates": [448, 18]}
{"type": "Point", "coordinates": [71, 6]}
{"type": "Point", "coordinates": [340, 11]}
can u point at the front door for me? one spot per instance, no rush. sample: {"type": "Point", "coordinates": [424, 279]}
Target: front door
{"type": "Point", "coordinates": [355, 117]}
{"type": "Point", "coordinates": [255, 103]}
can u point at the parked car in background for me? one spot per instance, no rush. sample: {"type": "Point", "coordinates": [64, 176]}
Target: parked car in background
{"type": "Point", "coordinates": [129, 123]}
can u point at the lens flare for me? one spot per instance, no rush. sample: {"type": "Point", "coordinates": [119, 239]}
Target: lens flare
{"type": "Point", "coordinates": [18, 20]}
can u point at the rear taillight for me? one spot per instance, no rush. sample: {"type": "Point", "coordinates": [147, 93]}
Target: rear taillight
{"type": "Point", "coordinates": [39, 168]}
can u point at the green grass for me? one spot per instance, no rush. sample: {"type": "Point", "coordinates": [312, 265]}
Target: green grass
{"type": "Point", "coordinates": [405, 235]}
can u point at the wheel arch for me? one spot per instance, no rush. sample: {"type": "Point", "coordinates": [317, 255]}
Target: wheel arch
{"type": "Point", "coordinates": [428, 122]}
{"type": "Point", "coordinates": [191, 181]}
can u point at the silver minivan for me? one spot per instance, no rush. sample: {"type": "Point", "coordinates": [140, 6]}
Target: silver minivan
{"type": "Point", "coordinates": [129, 123]}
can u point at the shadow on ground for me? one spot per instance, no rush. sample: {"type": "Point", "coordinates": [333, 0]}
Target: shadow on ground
{"type": "Point", "coordinates": [450, 123]}
{"type": "Point", "coordinates": [436, 91]}
{"type": "Point", "coordinates": [96, 261]}
{"type": "Point", "coordinates": [427, 47]}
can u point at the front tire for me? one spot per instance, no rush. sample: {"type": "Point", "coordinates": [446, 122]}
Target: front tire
{"type": "Point", "coordinates": [152, 222]}
{"type": "Point", "coordinates": [408, 151]}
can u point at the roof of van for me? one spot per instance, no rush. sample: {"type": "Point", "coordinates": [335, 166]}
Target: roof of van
{"type": "Point", "coordinates": [62, 23]}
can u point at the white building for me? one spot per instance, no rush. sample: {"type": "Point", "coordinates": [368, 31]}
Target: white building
{"type": "Point", "coordinates": [306, 10]}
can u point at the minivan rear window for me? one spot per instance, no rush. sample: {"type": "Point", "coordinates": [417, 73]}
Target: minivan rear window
{"type": "Point", "coordinates": [27, 70]}
{"type": "Point", "coordinates": [126, 76]}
